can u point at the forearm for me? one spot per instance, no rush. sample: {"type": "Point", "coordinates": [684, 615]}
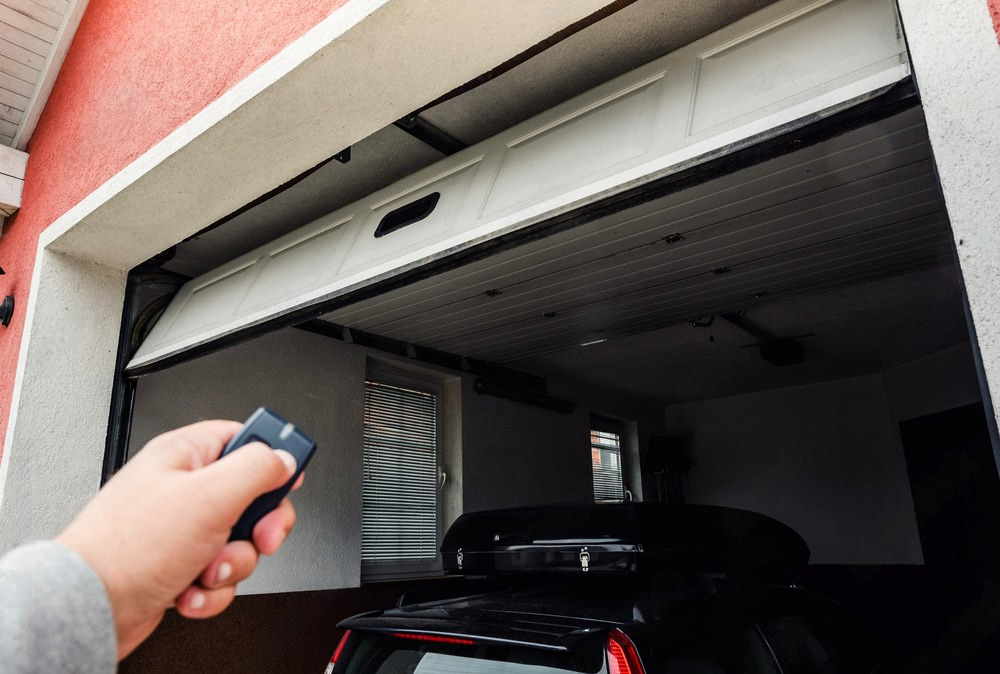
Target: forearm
{"type": "Point", "coordinates": [54, 613]}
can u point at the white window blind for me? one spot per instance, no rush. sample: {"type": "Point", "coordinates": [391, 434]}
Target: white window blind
{"type": "Point", "coordinates": [606, 456]}
{"type": "Point", "coordinates": [399, 513]}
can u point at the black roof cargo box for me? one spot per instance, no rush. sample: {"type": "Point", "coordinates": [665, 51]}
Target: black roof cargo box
{"type": "Point", "coordinates": [619, 539]}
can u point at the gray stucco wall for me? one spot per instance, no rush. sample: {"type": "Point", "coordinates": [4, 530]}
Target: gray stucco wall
{"type": "Point", "coordinates": [319, 384]}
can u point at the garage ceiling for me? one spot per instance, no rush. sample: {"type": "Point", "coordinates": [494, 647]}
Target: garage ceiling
{"type": "Point", "coordinates": [860, 207]}
{"type": "Point", "coordinates": [851, 331]}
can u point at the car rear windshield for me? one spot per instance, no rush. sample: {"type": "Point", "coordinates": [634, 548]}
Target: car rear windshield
{"type": "Point", "coordinates": [372, 653]}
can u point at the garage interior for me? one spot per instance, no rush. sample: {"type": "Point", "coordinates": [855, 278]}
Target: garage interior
{"type": "Point", "coordinates": [794, 314]}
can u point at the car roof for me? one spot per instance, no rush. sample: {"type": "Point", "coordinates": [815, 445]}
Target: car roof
{"type": "Point", "coordinates": [562, 617]}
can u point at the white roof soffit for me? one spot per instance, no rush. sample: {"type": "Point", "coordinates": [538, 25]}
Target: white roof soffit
{"type": "Point", "coordinates": [32, 28]}
{"type": "Point", "coordinates": [789, 61]}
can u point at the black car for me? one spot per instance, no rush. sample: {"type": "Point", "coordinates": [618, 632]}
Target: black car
{"type": "Point", "coordinates": [637, 590]}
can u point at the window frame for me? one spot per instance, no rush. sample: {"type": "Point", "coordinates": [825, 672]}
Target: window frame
{"type": "Point", "coordinates": [602, 424]}
{"type": "Point", "coordinates": [395, 570]}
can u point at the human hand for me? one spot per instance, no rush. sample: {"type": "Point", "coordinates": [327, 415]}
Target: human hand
{"type": "Point", "coordinates": [157, 533]}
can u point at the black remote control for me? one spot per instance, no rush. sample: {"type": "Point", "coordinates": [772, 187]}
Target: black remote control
{"type": "Point", "coordinates": [271, 429]}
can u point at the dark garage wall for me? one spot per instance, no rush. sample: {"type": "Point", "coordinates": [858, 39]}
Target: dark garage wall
{"type": "Point", "coordinates": [938, 382]}
{"type": "Point", "coordinates": [521, 455]}
{"type": "Point", "coordinates": [823, 458]}
{"type": "Point", "coordinates": [826, 458]}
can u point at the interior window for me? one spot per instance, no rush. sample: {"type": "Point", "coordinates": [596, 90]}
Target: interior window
{"type": "Point", "coordinates": [606, 459]}
{"type": "Point", "coordinates": [400, 505]}
{"type": "Point", "coordinates": [738, 651]}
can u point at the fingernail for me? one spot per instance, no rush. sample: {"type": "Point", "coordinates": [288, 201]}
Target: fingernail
{"type": "Point", "coordinates": [287, 459]}
{"type": "Point", "coordinates": [224, 571]}
{"type": "Point", "coordinates": [197, 600]}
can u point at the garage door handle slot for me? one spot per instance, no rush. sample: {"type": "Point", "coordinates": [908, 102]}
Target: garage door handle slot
{"type": "Point", "coordinates": [415, 211]}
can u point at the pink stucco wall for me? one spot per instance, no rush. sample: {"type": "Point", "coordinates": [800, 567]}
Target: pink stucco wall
{"type": "Point", "coordinates": [994, 6]}
{"type": "Point", "coordinates": [135, 72]}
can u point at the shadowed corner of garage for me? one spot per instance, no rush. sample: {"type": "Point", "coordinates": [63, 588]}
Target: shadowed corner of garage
{"type": "Point", "coordinates": [551, 289]}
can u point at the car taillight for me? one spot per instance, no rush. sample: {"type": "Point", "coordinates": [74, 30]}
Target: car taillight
{"type": "Point", "coordinates": [434, 638]}
{"type": "Point", "coordinates": [338, 651]}
{"type": "Point", "coordinates": [622, 656]}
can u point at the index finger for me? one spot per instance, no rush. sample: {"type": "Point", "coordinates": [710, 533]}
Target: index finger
{"type": "Point", "coordinates": [193, 446]}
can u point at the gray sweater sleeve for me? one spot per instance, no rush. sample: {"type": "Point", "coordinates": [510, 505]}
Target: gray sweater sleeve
{"type": "Point", "coordinates": [54, 613]}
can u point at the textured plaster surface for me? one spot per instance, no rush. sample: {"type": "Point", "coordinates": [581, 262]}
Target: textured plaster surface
{"type": "Point", "coordinates": [348, 76]}
{"type": "Point", "coordinates": [956, 61]}
{"type": "Point", "coordinates": [319, 383]}
{"type": "Point", "coordinates": [134, 73]}
{"type": "Point", "coordinates": [994, 6]}
{"type": "Point", "coordinates": [50, 467]}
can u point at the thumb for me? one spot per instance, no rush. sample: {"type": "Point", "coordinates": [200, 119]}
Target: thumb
{"type": "Point", "coordinates": [238, 478]}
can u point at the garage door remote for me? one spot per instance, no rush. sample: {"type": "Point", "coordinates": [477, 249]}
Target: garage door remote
{"type": "Point", "coordinates": [271, 429]}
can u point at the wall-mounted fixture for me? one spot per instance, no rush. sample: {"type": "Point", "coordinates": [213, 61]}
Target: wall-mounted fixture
{"type": "Point", "coordinates": [6, 310]}
{"type": "Point", "coordinates": [7, 307]}
{"type": "Point", "coordinates": [778, 351]}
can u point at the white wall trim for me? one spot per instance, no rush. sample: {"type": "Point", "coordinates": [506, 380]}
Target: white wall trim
{"type": "Point", "coordinates": [956, 62]}
{"type": "Point", "coordinates": [369, 63]}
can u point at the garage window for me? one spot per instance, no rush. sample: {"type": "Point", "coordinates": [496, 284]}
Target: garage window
{"type": "Point", "coordinates": [606, 459]}
{"type": "Point", "coordinates": [399, 527]}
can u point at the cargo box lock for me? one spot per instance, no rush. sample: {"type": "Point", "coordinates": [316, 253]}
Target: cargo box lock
{"type": "Point", "coordinates": [459, 557]}
{"type": "Point", "coordinates": [585, 560]}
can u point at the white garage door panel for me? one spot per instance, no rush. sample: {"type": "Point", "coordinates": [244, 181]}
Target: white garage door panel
{"type": "Point", "coordinates": [790, 60]}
